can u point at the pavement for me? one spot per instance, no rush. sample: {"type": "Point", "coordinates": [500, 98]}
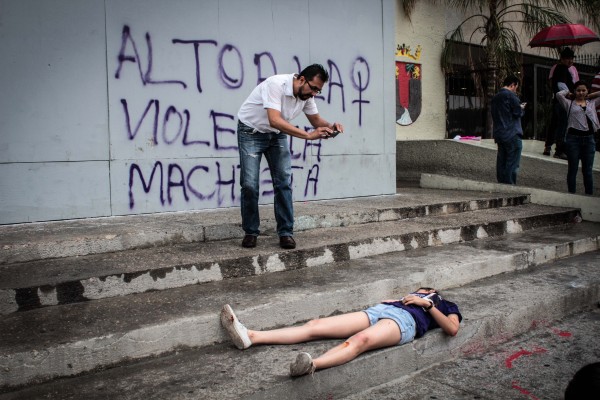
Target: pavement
{"type": "Point", "coordinates": [536, 365]}
{"type": "Point", "coordinates": [476, 160]}
{"type": "Point", "coordinates": [531, 148]}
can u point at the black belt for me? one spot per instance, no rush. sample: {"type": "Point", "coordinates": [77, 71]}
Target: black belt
{"type": "Point", "coordinates": [580, 133]}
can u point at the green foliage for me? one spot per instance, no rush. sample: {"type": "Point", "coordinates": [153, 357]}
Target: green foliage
{"type": "Point", "coordinates": [498, 36]}
{"type": "Point", "coordinates": [495, 22]}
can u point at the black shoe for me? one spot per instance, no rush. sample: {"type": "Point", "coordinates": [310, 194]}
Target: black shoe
{"type": "Point", "coordinates": [546, 151]}
{"type": "Point", "coordinates": [562, 156]}
{"type": "Point", "coordinates": [287, 242]}
{"type": "Point", "coordinates": [249, 241]}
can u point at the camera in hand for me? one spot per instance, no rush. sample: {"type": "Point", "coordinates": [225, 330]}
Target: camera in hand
{"type": "Point", "coordinates": [334, 134]}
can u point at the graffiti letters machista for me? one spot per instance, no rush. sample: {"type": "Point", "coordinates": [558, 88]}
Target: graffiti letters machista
{"type": "Point", "coordinates": [188, 182]}
{"type": "Point", "coordinates": [408, 85]}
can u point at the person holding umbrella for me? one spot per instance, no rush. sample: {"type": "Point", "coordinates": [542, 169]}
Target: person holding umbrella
{"type": "Point", "coordinates": [558, 36]}
{"type": "Point", "coordinates": [596, 88]}
{"type": "Point", "coordinates": [562, 79]}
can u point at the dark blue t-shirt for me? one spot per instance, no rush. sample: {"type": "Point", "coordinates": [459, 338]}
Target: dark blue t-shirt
{"type": "Point", "coordinates": [424, 321]}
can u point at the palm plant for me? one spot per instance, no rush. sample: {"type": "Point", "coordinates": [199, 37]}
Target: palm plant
{"type": "Point", "coordinates": [495, 22]}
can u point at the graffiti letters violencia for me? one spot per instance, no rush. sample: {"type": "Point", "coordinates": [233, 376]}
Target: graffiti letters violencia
{"type": "Point", "coordinates": [214, 180]}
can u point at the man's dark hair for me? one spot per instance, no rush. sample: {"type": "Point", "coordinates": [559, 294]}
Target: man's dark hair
{"type": "Point", "coordinates": [315, 70]}
{"type": "Point", "coordinates": [567, 53]}
{"type": "Point", "coordinates": [509, 80]}
{"type": "Point", "coordinates": [585, 382]}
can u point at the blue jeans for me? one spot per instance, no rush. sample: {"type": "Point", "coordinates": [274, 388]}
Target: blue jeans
{"type": "Point", "coordinates": [508, 159]}
{"type": "Point", "coordinates": [274, 146]}
{"type": "Point", "coordinates": [580, 148]}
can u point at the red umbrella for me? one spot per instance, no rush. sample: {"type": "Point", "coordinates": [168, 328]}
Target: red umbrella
{"type": "Point", "coordinates": [564, 35]}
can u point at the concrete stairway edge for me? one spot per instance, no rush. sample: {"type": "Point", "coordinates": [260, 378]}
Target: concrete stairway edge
{"type": "Point", "coordinates": [58, 239]}
{"type": "Point", "coordinates": [71, 358]}
{"type": "Point", "coordinates": [121, 283]}
{"type": "Point", "coordinates": [589, 206]}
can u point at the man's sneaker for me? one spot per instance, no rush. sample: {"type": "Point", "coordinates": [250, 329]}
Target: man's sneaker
{"type": "Point", "coordinates": [237, 332]}
{"type": "Point", "coordinates": [547, 151]}
{"type": "Point", "coordinates": [302, 365]}
{"type": "Point", "coordinates": [562, 156]}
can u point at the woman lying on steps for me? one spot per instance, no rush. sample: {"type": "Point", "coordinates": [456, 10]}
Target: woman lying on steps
{"type": "Point", "coordinates": [389, 323]}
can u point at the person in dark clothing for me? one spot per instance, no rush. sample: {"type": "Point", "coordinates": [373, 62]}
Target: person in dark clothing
{"type": "Point", "coordinates": [562, 79]}
{"type": "Point", "coordinates": [507, 111]}
{"type": "Point", "coordinates": [585, 383]}
{"type": "Point", "coordinates": [392, 322]}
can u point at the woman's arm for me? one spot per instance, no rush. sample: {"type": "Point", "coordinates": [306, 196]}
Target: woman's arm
{"type": "Point", "coordinates": [562, 98]}
{"type": "Point", "coordinates": [449, 324]}
{"type": "Point", "coordinates": [593, 95]}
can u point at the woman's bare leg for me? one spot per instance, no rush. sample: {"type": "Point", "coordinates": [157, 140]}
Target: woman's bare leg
{"type": "Point", "coordinates": [336, 327]}
{"type": "Point", "coordinates": [384, 333]}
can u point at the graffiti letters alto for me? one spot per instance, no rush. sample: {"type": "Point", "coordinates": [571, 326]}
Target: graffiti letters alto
{"type": "Point", "coordinates": [180, 146]}
{"type": "Point", "coordinates": [408, 84]}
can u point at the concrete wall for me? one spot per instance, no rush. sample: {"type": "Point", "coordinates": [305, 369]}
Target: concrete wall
{"type": "Point", "coordinates": [425, 29]}
{"type": "Point", "coordinates": [127, 107]}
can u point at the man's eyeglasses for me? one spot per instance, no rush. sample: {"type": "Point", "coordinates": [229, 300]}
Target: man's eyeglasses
{"type": "Point", "coordinates": [313, 89]}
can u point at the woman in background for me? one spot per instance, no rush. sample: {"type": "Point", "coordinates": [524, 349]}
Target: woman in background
{"type": "Point", "coordinates": [579, 141]}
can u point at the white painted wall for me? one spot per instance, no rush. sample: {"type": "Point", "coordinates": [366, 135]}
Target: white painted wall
{"type": "Point", "coordinates": [426, 29]}
{"type": "Point", "coordinates": [84, 81]}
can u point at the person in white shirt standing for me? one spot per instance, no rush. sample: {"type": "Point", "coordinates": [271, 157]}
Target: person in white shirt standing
{"type": "Point", "coordinates": [263, 125]}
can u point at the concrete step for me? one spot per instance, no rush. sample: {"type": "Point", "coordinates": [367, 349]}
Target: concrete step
{"type": "Point", "coordinates": [36, 241]}
{"type": "Point", "coordinates": [35, 284]}
{"type": "Point", "coordinates": [66, 340]}
{"type": "Point", "coordinates": [495, 309]}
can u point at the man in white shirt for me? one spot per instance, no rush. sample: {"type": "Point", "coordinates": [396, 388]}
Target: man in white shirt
{"type": "Point", "coordinates": [263, 126]}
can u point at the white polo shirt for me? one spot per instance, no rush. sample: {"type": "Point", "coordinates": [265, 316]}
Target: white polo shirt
{"type": "Point", "coordinates": [276, 92]}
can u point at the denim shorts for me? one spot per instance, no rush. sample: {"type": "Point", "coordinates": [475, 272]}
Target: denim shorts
{"type": "Point", "coordinates": [405, 321]}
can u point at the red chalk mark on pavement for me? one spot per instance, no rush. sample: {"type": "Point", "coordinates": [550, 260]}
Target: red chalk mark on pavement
{"type": "Point", "coordinates": [521, 353]}
{"type": "Point", "coordinates": [538, 323]}
{"type": "Point", "coordinates": [562, 333]}
{"type": "Point", "coordinates": [523, 391]}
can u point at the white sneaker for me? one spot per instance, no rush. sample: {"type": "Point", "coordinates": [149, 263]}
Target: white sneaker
{"type": "Point", "coordinates": [302, 365]}
{"type": "Point", "coordinates": [237, 332]}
